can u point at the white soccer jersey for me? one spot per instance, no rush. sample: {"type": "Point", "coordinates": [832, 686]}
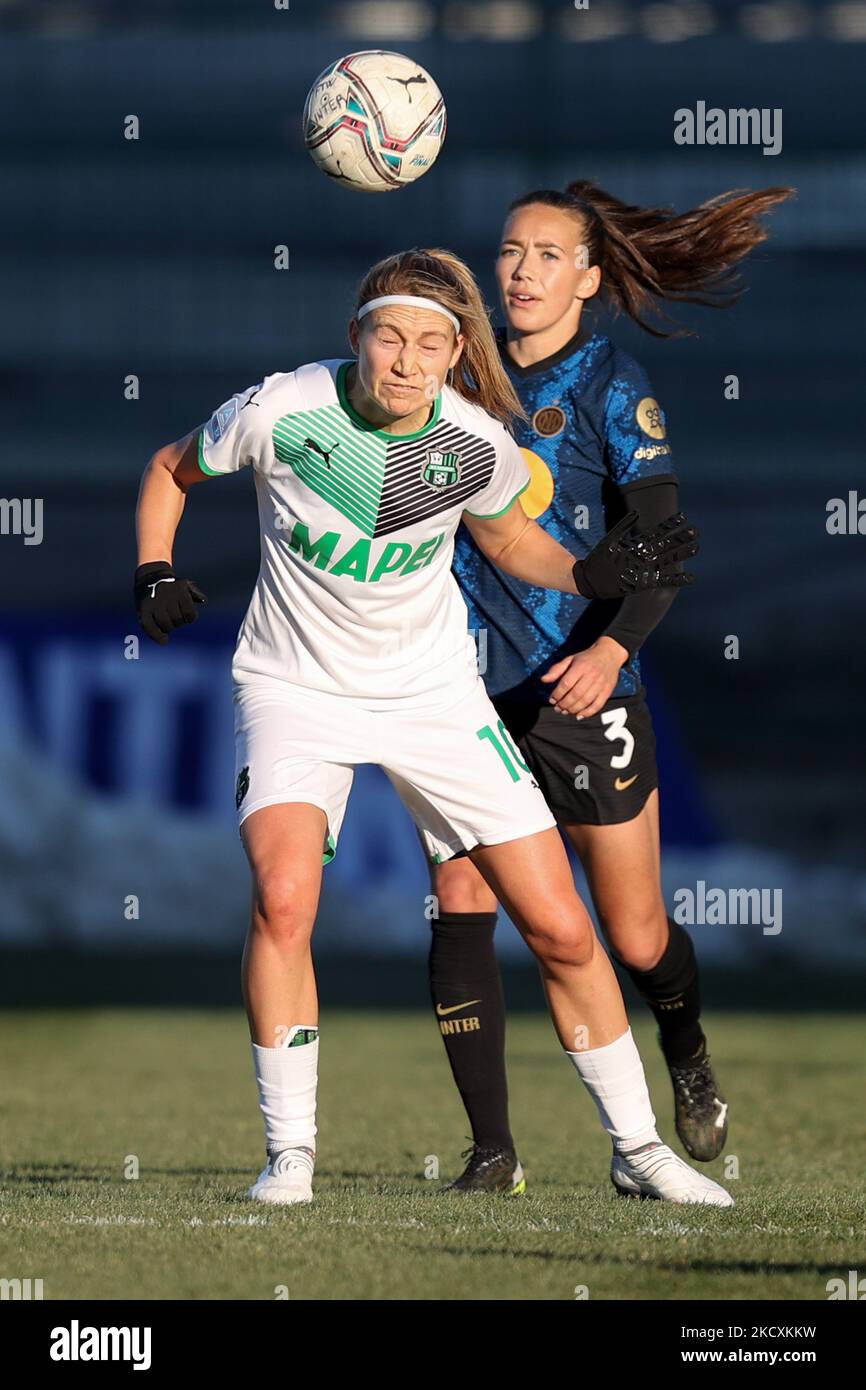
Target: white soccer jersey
{"type": "Point", "coordinates": [355, 594]}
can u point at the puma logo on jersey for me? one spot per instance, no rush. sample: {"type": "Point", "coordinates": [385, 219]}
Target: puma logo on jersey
{"type": "Point", "coordinates": [249, 400]}
{"type": "Point", "coordinates": [326, 453]}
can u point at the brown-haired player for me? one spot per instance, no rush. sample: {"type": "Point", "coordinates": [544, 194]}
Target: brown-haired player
{"type": "Point", "coordinates": [562, 669]}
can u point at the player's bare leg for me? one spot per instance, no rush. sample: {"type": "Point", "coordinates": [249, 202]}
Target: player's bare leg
{"type": "Point", "coordinates": [532, 879]}
{"type": "Point", "coordinates": [622, 866]}
{"type": "Point", "coordinates": [284, 847]}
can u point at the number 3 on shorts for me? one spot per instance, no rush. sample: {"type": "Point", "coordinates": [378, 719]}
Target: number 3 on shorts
{"type": "Point", "coordinates": [505, 747]}
{"type": "Point", "coordinates": [616, 728]}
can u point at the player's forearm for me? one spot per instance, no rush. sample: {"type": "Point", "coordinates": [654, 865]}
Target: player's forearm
{"type": "Point", "coordinates": [161, 501]}
{"type": "Point", "coordinates": [653, 499]}
{"type": "Point", "coordinates": [536, 558]}
{"type": "Point", "coordinates": [638, 616]}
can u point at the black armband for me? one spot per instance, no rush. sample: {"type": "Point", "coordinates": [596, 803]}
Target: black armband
{"type": "Point", "coordinates": [639, 614]}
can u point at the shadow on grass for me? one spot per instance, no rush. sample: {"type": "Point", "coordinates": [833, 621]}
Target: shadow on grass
{"type": "Point", "coordinates": [685, 1265]}
{"type": "Point", "coordinates": [43, 1175]}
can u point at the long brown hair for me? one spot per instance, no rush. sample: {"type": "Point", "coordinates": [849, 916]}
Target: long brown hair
{"type": "Point", "coordinates": [652, 255]}
{"type": "Point", "coordinates": [479, 376]}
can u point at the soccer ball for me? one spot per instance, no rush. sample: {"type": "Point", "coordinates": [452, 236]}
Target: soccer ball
{"type": "Point", "coordinates": [374, 120]}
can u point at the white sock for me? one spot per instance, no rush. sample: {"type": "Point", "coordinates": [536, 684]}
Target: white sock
{"type": "Point", "coordinates": [614, 1077]}
{"type": "Point", "coordinates": [287, 1078]}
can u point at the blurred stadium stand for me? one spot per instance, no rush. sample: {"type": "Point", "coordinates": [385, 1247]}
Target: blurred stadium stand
{"type": "Point", "coordinates": [466, 21]}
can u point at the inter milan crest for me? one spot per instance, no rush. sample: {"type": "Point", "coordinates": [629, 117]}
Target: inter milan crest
{"type": "Point", "coordinates": [548, 421]}
{"type": "Point", "coordinates": [440, 469]}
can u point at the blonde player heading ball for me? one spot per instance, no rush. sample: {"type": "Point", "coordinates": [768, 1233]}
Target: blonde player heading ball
{"type": "Point", "coordinates": [364, 469]}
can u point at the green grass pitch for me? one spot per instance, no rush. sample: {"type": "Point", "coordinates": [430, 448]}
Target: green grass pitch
{"type": "Point", "coordinates": [89, 1095]}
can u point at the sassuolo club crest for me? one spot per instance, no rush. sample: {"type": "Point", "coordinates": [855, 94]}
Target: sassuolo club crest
{"type": "Point", "coordinates": [440, 469]}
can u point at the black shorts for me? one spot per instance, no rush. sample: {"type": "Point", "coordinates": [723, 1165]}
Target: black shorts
{"type": "Point", "coordinates": [595, 771]}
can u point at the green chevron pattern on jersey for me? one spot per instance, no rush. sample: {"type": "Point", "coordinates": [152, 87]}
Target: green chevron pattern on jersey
{"type": "Point", "coordinates": [378, 485]}
{"type": "Point", "coordinates": [311, 441]}
{"type": "Point", "coordinates": [382, 483]}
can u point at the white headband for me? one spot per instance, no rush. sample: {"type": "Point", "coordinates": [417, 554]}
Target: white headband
{"type": "Point", "coordinates": [408, 299]}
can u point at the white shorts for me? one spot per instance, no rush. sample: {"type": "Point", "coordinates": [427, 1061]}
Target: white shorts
{"type": "Point", "coordinates": [455, 767]}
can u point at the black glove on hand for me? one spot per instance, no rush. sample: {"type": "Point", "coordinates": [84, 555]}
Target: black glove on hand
{"type": "Point", "coordinates": [626, 561]}
{"type": "Point", "coordinates": [163, 601]}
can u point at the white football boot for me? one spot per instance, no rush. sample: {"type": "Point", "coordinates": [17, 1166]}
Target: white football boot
{"type": "Point", "coordinates": [654, 1170]}
{"type": "Point", "coordinates": [287, 1178]}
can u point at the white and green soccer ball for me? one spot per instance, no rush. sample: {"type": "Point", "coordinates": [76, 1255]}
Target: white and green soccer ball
{"type": "Point", "coordinates": [374, 120]}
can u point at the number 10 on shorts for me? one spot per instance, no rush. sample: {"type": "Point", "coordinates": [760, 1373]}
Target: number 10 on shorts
{"type": "Point", "coordinates": [504, 745]}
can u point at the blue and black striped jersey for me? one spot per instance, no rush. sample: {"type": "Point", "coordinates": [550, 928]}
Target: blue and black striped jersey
{"type": "Point", "coordinates": [594, 428]}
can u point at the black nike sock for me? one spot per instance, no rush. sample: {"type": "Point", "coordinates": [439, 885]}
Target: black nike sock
{"type": "Point", "coordinates": [672, 990]}
{"type": "Point", "coordinates": [466, 989]}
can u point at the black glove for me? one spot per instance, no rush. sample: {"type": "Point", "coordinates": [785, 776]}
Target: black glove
{"type": "Point", "coordinates": [163, 601]}
{"type": "Point", "coordinates": [626, 561]}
